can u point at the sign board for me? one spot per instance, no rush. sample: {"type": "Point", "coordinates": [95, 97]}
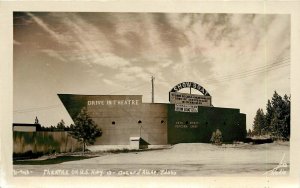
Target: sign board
{"type": "Point", "coordinates": [186, 108]}
{"type": "Point", "coordinates": [189, 99]}
{"type": "Point", "coordinates": [190, 85]}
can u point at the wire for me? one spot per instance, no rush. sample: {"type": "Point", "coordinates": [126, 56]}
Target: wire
{"type": "Point", "coordinates": [252, 72]}
{"type": "Point", "coordinates": [283, 61]}
{"type": "Point", "coordinates": [244, 76]}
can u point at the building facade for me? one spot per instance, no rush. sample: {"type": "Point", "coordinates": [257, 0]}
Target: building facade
{"type": "Point", "coordinates": [186, 119]}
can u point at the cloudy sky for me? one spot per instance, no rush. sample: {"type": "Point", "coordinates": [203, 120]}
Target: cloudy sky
{"type": "Point", "coordinates": [240, 59]}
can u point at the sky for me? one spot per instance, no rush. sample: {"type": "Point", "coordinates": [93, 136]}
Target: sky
{"type": "Point", "coordinates": [240, 59]}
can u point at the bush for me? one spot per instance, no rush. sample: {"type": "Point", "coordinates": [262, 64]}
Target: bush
{"type": "Point", "coordinates": [216, 137]}
{"type": "Point", "coordinates": [85, 129]}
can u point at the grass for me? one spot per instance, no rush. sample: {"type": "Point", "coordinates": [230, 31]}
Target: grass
{"type": "Point", "coordinates": [57, 160]}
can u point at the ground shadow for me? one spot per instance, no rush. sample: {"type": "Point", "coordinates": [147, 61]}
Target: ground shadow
{"type": "Point", "coordinates": [56, 160]}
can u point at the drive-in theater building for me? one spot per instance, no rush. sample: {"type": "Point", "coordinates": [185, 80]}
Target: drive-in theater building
{"type": "Point", "coordinates": [188, 118]}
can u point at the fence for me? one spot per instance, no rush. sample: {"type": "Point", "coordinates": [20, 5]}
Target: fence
{"type": "Point", "coordinates": [43, 143]}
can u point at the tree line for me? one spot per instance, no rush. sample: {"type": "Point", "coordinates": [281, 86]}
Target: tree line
{"type": "Point", "coordinates": [275, 123]}
{"type": "Point", "coordinates": [61, 126]}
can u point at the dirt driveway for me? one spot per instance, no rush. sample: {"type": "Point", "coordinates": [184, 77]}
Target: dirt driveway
{"type": "Point", "coordinates": [181, 160]}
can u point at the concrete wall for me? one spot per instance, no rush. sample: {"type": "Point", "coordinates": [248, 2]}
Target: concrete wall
{"type": "Point", "coordinates": [44, 142]}
{"type": "Point", "coordinates": [186, 127]}
{"type": "Point", "coordinates": [118, 124]}
{"type": "Point", "coordinates": [157, 124]}
{"type": "Point", "coordinates": [119, 115]}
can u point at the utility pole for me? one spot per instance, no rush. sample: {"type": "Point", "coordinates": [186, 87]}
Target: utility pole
{"type": "Point", "coordinates": [152, 82]}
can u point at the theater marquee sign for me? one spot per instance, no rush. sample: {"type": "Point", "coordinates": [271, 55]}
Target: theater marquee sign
{"type": "Point", "coordinates": [186, 108]}
{"type": "Point", "coordinates": [190, 99]}
{"type": "Point", "coordinates": [185, 102]}
{"type": "Point", "coordinates": [190, 85]}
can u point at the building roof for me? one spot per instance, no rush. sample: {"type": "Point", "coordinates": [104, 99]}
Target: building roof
{"type": "Point", "coordinates": [38, 126]}
{"type": "Point", "coordinates": [26, 124]}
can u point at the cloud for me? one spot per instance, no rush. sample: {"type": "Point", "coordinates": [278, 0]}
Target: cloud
{"type": "Point", "coordinates": [56, 36]}
{"type": "Point", "coordinates": [89, 46]}
{"type": "Point", "coordinates": [166, 63]}
{"type": "Point", "coordinates": [111, 83]}
{"type": "Point", "coordinates": [94, 72]}
{"type": "Point", "coordinates": [132, 73]}
{"type": "Point", "coordinates": [111, 61]}
{"type": "Point", "coordinates": [54, 54]}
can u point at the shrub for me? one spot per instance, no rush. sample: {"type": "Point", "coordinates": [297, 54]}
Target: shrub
{"type": "Point", "coordinates": [216, 137]}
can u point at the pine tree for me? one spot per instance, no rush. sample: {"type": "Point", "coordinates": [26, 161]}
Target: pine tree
{"type": "Point", "coordinates": [52, 128]}
{"type": "Point", "coordinates": [249, 133]}
{"type": "Point", "coordinates": [36, 121]}
{"type": "Point", "coordinates": [269, 117]}
{"type": "Point", "coordinates": [61, 125]}
{"type": "Point", "coordinates": [259, 123]}
{"type": "Point", "coordinates": [276, 122]}
{"type": "Point", "coordinates": [280, 123]}
{"type": "Point", "coordinates": [285, 128]}
{"type": "Point", "coordinates": [85, 130]}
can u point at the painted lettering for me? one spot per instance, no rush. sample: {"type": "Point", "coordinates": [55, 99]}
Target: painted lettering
{"type": "Point", "coordinates": [179, 86]}
{"type": "Point", "coordinates": [188, 84]}
{"type": "Point", "coordinates": [175, 88]}
{"type": "Point", "coordinates": [113, 102]}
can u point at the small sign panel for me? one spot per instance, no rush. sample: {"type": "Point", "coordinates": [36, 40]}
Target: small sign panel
{"type": "Point", "coordinates": [186, 108]}
{"type": "Point", "coordinates": [190, 99]}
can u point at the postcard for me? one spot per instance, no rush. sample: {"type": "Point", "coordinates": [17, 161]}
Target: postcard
{"type": "Point", "coordinates": [186, 93]}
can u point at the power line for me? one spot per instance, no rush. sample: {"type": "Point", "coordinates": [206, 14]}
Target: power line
{"type": "Point", "coordinates": [250, 73]}
{"type": "Point", "coordinates": [244, 76]}
{"type": "Point", "coordinates": [257, 69]}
